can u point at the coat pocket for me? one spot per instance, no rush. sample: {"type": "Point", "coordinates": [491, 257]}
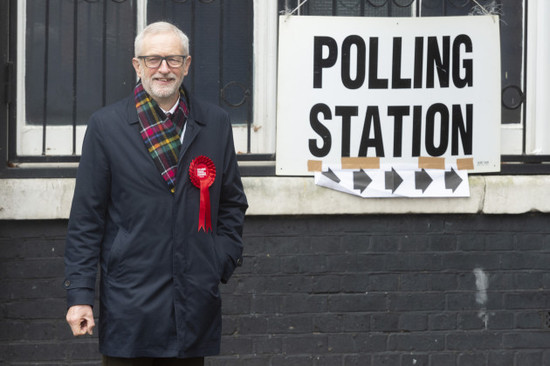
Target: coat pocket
{"type": "Point", "coordinates": [116, 255]}
{"type": "Point", "coordinates": [216, 255]}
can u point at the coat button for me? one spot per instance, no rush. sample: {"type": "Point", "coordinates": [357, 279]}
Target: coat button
{"type": "Point", "coordinates": [239, 262]}
{"type": "Point", "coordinates": [67, 283]}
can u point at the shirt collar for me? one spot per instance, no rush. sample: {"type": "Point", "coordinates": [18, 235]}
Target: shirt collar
{"type": "Point", "coordinates": [173, 109]}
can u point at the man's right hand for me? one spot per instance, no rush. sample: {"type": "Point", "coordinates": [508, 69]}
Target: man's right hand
{"type": "Point", "coordinates": [81, 319]}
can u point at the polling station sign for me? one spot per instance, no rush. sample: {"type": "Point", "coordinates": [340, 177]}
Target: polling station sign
{"type": "Point", "coordinates": [393, 90]}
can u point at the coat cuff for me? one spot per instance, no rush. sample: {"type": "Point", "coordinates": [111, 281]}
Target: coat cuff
{"type": "Point", "coordinates": [80, 291]}
{"type": "Point", "coordinates": [229, 268]}
{"type": "Point", "coordinates": [80, 296]}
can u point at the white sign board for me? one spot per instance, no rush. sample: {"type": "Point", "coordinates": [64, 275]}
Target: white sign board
{"type": "Point", "coordinates": [397, 89]}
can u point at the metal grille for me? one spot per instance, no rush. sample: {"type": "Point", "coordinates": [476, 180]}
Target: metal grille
{"type": "Point", "coordinates": [77, 60]}
{"type": "Point", "coordinates": [371, 8]}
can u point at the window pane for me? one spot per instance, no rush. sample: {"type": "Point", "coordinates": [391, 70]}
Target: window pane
{"type": "Point", "coordinates": [78, 58]}
{"type": "Point", "coordinates": [220, 36]}
{"type": "Point", "coordinates": [511, 48]}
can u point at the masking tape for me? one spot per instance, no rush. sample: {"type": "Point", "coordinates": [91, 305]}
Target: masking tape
{"type": "Point", "coordinates": [465, 164]}
{"type": "Point", "coordinates": [429, 162]}
{"type": "Point", "coordinates": [360, 163]}
{"type": "Point", "coordinates": [314, 165]}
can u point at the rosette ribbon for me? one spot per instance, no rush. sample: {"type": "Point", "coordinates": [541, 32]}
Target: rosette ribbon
{"type": "Point", "coordinates": [202, 173]}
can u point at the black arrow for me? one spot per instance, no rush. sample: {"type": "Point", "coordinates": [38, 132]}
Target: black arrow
{"type": "Point", "coordinates": [361, 180]}
{"type": "Point", "coordinates": [452, 180]}
{"type": "Point", "coordinates": [422, 180]}
{"type": "Point", "coordinates": [332, 176]}
{"type": "Point", "coordinates": [393, 180]}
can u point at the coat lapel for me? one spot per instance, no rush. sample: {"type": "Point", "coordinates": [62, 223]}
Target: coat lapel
{"type": "Point", "coordinates": [195, 122]}
{"type": "Point", "coordinates": [191, 131]}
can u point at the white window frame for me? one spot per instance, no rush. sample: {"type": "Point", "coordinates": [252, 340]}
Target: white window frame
{"type": "Point", "coordinates": [29, 138]}
{"type": "Point", "coordinates": [538, 79]}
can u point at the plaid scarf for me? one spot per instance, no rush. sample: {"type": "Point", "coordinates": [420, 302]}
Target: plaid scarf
{"type": "Point", "coordinates": [160, 133]}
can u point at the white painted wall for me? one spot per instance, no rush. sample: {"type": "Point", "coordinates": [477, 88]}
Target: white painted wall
{"type": "Point", "coordinates": [25, 199]}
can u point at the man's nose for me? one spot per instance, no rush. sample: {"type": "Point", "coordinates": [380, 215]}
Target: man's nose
{"type": "Point", "coordinates": [163, 67]}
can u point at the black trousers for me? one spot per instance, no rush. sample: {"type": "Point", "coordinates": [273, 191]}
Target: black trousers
{"type": "Point", "coordinates": [116, 361]}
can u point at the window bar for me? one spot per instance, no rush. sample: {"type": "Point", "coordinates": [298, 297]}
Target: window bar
{"type": "Point", "coordinates": [45, 106]}
{"type": "Point", "coordinates": [192, 42]}
{"type": "Point", "coordinates": [221, 80]}
{"type": "Point", "coordinates": [75, 71]}
{"type": "Point", "coordinates": [104, 56]}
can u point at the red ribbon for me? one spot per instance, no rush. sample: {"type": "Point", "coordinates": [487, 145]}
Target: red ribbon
{"type": "Point", "coordinates": [202, 173]}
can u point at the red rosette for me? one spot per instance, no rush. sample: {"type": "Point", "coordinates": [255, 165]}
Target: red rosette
{"type": "Point", "coordinates": [202, 173]}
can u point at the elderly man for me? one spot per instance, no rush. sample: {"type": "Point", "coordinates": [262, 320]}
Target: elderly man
{"type": "Point", "coordinates": [159, 204]}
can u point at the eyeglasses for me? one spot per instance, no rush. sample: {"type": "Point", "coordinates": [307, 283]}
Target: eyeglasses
{"type": "Point", "coordinates": [154, 62]}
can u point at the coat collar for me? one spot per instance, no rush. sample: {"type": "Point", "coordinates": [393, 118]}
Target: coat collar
{"type": "Point", "coordinates": [196, 112]}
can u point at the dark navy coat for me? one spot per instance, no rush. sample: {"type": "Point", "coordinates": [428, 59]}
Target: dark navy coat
{"type": "Point", "coordinates": [159, 281]}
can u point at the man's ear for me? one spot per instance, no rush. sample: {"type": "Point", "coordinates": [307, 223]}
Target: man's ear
{"type": "Point", "coordinates": [136, 64]}
{"type": "Point", "coordinates": [186, 65]}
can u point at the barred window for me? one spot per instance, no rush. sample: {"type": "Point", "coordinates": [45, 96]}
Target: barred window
{"type": "Point", "coordinates": [62, 60]}
{"type": "Point", "coordinates": [73, 57]}
{"type": "Point", "coordinates": [76, 59]}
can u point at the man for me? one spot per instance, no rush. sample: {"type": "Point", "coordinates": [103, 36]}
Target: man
{"type": "Point", "coordinates": [160, 205]}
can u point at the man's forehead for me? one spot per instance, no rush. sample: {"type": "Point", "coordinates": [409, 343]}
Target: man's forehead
{"type": "Point", "coordinates": [162, 41]}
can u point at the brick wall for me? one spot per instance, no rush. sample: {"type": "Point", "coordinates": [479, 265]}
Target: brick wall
{"type": "Point", "coordinates": [437, 290]}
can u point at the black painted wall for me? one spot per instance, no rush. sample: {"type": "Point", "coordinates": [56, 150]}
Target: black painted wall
{"type": "Point", "coordinates": [437, 290]}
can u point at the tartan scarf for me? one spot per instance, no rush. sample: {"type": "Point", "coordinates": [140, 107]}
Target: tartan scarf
{"type": "Point", "coordinates": [160, 133]}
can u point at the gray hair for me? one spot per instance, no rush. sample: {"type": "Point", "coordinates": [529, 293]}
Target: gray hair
{"type": "Point", "coordinates": [160, 27]}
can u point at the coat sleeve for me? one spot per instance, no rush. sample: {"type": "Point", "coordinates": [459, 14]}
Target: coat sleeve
{"type": "Point", "coordinates": [87, 218]}
{"type": "Point", "coordinates": [232, 208]}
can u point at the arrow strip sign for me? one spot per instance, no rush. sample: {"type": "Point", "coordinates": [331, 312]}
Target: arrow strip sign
{"type": "Point", "coordinates": [422, 180]}
{"type": "Point", "coordinates": [393, 180]}
{"type": "Point", "coordinates": [452, 180]}
{"type": "Point", "coordinates": [331, 175]}
{"type": "Point", "coordinates": [361, 180]}
{"type": "Point", "coordinates": [398, 181]}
